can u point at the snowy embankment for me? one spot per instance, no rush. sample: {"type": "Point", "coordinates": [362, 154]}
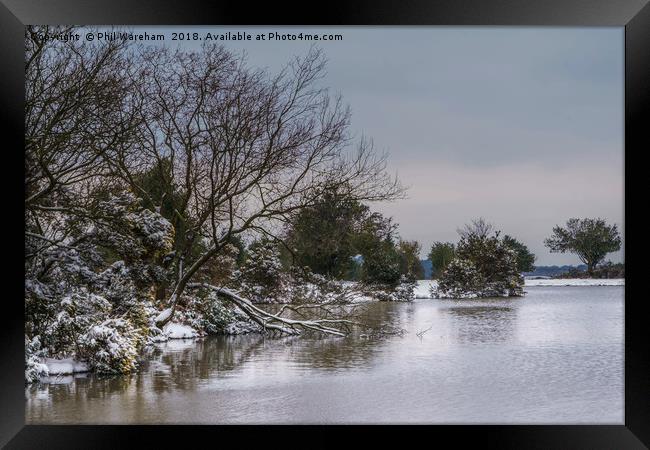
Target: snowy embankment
{"type": "Point", "coordinates": [576, 282]}
{"type": "Point", "coordinates": [175, 330]}
{"type": "Point", "coordinates": [69, 366]}
{"type": "Point", "coordinates": [422, 290]}
{"type": "Point", "coordinates": [65, 366]}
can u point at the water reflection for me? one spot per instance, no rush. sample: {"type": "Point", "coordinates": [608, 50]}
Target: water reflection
{"type": "Point", "coordinates": [490, 321]}
{"type": "Point", "coordinates": [185, 364]}
{"type": "Point", "coordinates": [554, 356]}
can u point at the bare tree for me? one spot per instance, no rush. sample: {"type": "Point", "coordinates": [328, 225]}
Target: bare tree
{"type": "Point", "coordinates": [246, 149]}
{"type": "Point", "coordinates": [75, 109]}
{"type": "Point", "coordinates": [77, 106]}
{"type": "Point", "coordinates": [479, 228]}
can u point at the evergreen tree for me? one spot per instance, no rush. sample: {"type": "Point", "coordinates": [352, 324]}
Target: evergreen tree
{"type": "Point", "coordinates": [375, 242]}
{"type": "Point", "coordinates": [525, 259]}
{"type": "Point", "coordinates": [322, 237]}
{"type": "Point", "coordinates": [381, 265]}
{"type": "Point", "coordinates": [341, 239]}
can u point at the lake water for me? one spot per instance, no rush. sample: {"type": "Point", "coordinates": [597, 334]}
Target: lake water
{"type": "Point", "coordinates": [555, 356]}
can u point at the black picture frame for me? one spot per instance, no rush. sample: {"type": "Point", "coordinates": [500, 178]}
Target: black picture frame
{"type": "Point", "coordinates": [634, 15]}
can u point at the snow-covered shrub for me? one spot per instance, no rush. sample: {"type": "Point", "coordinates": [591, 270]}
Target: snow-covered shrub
{"type": "Point", "coordinates": [217, 316]}
{"type": "Point", "coordinates": [127, 286]}
{"type": "Point", "coordinates": [304, 286]}
{"type": "Point", "coordinates": [136, 239]}
{"type": "Point", "coordinates": [403, 292]}
{"type": "Point", "coordinates": [116, 284]}
{"type": "Point", "coordinates": [484, 266]}
{"type": "Point", "coordinates": [241, 324]}
{"type": "Point", "coordinates": [77, 313]}
{"type": "Point", "coordinates": [154, 231]}
{"type": "Point", "coordinates": [111, 347]}
{"type": "Point", "coordinates": [34, 368]}
{"type": "Point", "coordinates": [461, 279]}
{"type": "Point", "coordinates": [261, 278]}
{"type": "Point", "coordinates": [130, 230]}
{"type": "Point", "coordinates": [141, 316]}
{"type": "Point", "coordinates": [91, 296]}
{"type": "Point", "coordinates": [208, 313]}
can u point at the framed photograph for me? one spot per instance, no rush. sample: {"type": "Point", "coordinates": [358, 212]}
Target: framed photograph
{"type": "Point", "coordinates": [377, 215]}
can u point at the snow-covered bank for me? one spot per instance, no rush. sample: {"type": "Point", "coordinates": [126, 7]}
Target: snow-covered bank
{"type": "Point", "coordinates": [175, 330]}
{"type": "Point", "coordinates": [65, 366]}
{"type": "Point", "coordinates": [576, 282]}
{"type": "Point", "coordinates": [422, 289]}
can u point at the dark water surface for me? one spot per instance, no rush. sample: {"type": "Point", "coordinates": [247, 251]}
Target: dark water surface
{"type": "Point", "coordinates": [555, 356]}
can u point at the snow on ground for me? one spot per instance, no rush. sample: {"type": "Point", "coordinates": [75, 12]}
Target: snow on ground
{"type": "Point", "coordinates": [576, 282]}
{"type": "Point", "coordinates": [65, 366]}
{"type": "Point", "coordinates": [175, 330]}
{"type": "Point", "coordinates": [423, 286]}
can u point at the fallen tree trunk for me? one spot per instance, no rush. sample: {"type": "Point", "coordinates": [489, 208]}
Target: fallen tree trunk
{"type": "Point", "coordinates": [277, 323]}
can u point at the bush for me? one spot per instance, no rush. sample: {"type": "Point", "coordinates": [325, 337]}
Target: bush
{"type": "Point", "coordinates": [484, 266]}
{"type": "Point", "coordinates": [111, 347]}
{"type": "Point", "coordinates": [217, 316]}
{"type": "Point", "coordinates": [403, 292]}
{"type": "Point", "coordinates": [461, 279]}
{"type": "Point", "coordinates": [78, 312]}
{"type": "Point", "coordinates": [92, 301]}
{"type": "Point", "coordinates": [207, 313]}
{"type": "Point", "coordinates": [34, 369]}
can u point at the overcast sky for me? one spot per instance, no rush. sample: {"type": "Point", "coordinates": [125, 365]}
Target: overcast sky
{"type": "Point", "coordinates": [522, 126]}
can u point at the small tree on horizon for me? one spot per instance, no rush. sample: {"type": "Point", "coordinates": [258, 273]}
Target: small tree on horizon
{"type": "Point", "coordinates": [590, 239]}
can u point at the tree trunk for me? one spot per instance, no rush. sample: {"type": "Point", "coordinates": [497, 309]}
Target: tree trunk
{"type": "Point", "coordinates": [590, 269]}
{"type": "Point", "coordinates": [167, 315]}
